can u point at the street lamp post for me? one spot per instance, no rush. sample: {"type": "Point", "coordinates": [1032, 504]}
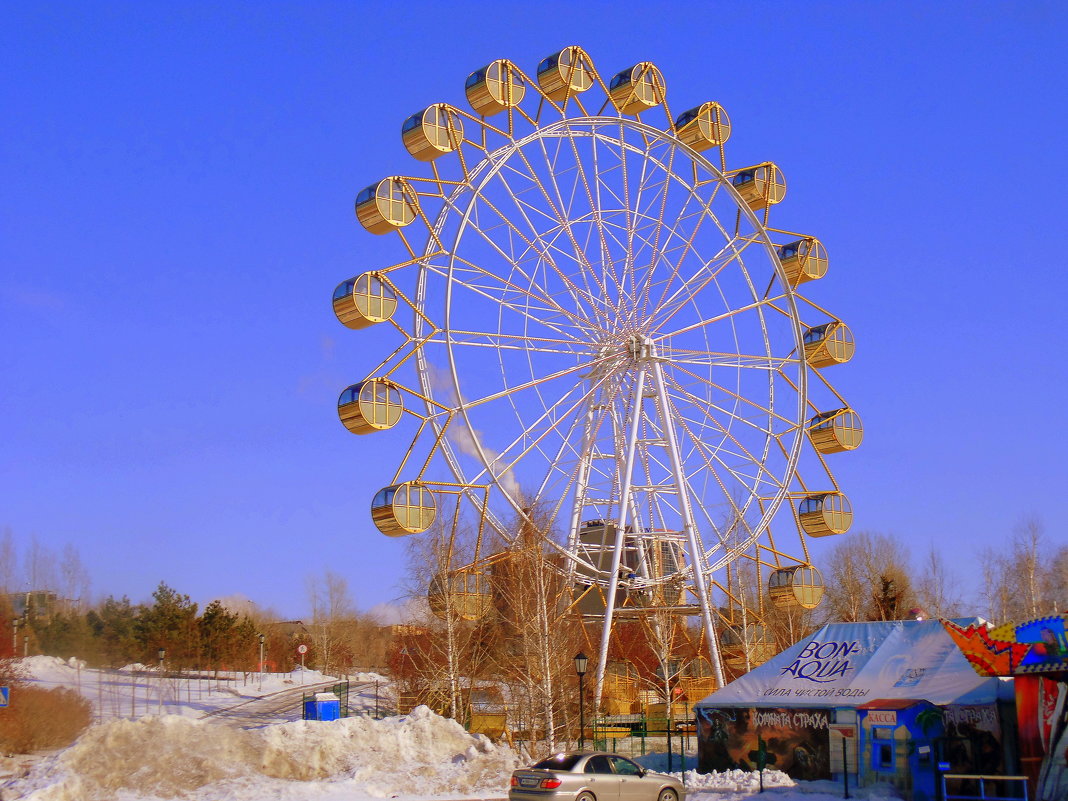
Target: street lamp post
{"type": "Point", "coordinates": [161, 653]}
{"type": "Point", "coordinates": [262, 638]}
{"type": "Point", "coordinates": [580, 669]}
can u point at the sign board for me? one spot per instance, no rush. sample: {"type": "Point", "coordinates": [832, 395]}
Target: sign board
{"type": "Point", "coordinates": [944, 766]}
{"type": "Point", "coordinates": [843, 747]}
{"type": "Point", "coordinates": [302, 649]}
{"type": "Point", "coordinates": [5, 696]}
{"type": "Point", "coordinates": [882, 717]}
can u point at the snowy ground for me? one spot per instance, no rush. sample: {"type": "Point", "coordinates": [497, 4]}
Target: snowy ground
{"type": "Point", "coordinates": [132, 753]}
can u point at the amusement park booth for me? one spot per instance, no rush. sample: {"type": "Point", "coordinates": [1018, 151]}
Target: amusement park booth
{"type": "Point", "coordinates": [1035, 654]}
{"type": "Point", "coordinates": [892, 702]}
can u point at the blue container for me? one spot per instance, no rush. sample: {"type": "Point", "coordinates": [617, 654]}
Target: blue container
{"type": "Point", "coordinates": [326, 706]}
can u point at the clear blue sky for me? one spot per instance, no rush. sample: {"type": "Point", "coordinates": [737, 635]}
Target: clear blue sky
{"type": "Point", "coordinates": [176, 187]}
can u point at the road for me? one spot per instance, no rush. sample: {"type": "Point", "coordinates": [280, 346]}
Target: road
{"type": "Point", "coordinates": [285, 705]}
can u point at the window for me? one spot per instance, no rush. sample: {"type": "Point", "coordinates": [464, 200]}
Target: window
{"type": "Point", "coordinates": [686, 116]}
{"type": "Point", "coordinates": [620, 79]}
{"type": "Point", "coordinates": [547, 64]}
{"type": "Point", "coordinates": [882, 748]}
{"type": "Point", "coordinates": [559, 762]}
{"type": "Point", "coordinates": [598, 764]}
{"type": "Point", "coordinates": [624, 767]}
{"type": "Point", "coordinates": [412, 122]}
{"type": "Point", "coordinates": [476, 77]}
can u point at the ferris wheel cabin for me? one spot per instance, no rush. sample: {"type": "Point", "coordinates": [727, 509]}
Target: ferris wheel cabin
{"type": "Point", "coordinates": [386, 206]}
{"type": "Point", "coordinates": [636, 89]}
{"type": "Point", "coordinates": [796, 586]}
{"type": "Point", "coordinates": [403, 509]}
{"type": "Point", "coordinates": [363, 301]}
{"type": "Point", "coordinates": [465, 594]}
{"type": "Point", "coordinates": [746, 646]}
{"type": "Point", "coordinates": [703, 127]}
{"type": "Point", "coordinates": [494, 88]}
{"type": "Point", "coordinates": [565, 73]}
{"type": "Point", "coordinates": [836, 431]}
{"type": "Point", "coordinates": [803, 260]}
{"type": "Point", "coordinates": [371, 405]}
{"type": "Point", "coordinates": [760, 186]}
{"type": "Point", "coordinates": [825, 514]}
{"type": "Point", "coordinates": [828, 344]}
{"type": "Point", "coordinates": [432, 132]}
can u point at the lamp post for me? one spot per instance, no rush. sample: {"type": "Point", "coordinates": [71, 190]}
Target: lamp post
{"type": "Point", "coordinates": [161, 653]}
{"type": "Point", "coordinates": [580, 669]}
{"type": "Point", "coordinates": [15, 638]}
{"type": "Point", "coordinates": [262, 638]}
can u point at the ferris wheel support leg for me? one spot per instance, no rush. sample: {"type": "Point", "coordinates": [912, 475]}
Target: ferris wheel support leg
{"type": "Point", "coordinates": [692, 540]}
{"type": "Point", "coordinates": [621, 528]}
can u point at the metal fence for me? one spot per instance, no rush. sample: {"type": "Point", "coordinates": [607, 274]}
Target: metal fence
{"type": "Point", "coordinates": [638, 735]}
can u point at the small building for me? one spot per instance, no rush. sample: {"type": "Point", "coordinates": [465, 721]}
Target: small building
{"type": "Point", "coordinates": [884, 701]}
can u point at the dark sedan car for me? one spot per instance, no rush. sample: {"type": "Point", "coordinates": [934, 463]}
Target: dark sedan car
{"type": "Point", "coordinates": [592, 776]}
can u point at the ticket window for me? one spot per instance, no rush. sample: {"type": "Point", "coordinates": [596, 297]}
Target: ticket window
{"type": "Point", "coordinates": [882, 749]}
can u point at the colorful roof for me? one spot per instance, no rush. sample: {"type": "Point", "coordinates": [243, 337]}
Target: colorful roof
{"type": "Point", "coordinates": [1036, 646]}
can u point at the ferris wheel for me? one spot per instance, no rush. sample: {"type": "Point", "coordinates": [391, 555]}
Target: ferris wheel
{"type": "Point", "coordinates": [597, 322]}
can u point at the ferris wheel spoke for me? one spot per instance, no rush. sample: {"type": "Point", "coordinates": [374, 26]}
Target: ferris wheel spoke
{"type": "Point", "coordinates": [755, 306]}
{"type": "Point", "coordinates": [715, 386]}
{"type": "Point", "coordinates": [703, 212]}
{"type": "Point", "coordinates": [576, 292]}
{"type": "Point", "coordinates": [579, 295]}
{"type": "Point", "coordinates": [745, 361]}
{"type": "Point", "coordinates": [703, 278]}
{"type": "Point", "coordinates": [562, 210]}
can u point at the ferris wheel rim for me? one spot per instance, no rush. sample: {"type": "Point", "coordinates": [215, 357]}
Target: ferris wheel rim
{"type": "Point", "coordinates": [479, 178]}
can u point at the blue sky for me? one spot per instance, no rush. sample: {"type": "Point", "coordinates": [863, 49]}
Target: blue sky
{"type": "Point", "coordinates": [176, 186]}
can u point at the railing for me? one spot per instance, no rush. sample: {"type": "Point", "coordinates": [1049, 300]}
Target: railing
{"type": "Point", "coordinates": [983, 781]}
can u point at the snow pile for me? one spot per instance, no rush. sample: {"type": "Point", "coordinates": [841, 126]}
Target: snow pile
{"type": "Point", "coordinates": [174, 756]}
{"type": "Point", "coordinates": [734, 780]}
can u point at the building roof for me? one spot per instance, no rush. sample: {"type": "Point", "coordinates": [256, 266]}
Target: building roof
{"type": "Point", "coordinates": [849, 664]}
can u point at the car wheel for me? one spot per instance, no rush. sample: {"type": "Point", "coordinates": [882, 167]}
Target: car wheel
{"type": "Point", "coordinates": [668, 795]}
{"type": "Point", "coordinates": [586, 795]}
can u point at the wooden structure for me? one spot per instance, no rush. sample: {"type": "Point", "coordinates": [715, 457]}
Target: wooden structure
{"type": "Point", "coordinates": [796, 586]}
{"type": "Point", "coordinates": [433, 132]}
{"type": "Point", "coordinates": [760, 186]}
{"type": "Point", "coordinates": [836, 431]}
{"type": "Point", "coordinates": [704, 126]}
{"type": "Point", "coordinates": [824, 514]}
{"type": "Point", "coordinates": [565, 73]}
{"type": "Point", "coordinates": [363, 301]}
{"type": "Point", "coordinates": [829, 344]}
{"type": "Point", "coordinates": [387, 205]}
{"type": "Point", "coordinates": [803, 260]}
{"type": "Point", "coordinates": [494, 88]}
{"type": "Point", "coordinates": [371, 405]}
{"type": "Point", "coordinates": [636, 89]}
{"type": "Point", "coordinates": [402, 509]}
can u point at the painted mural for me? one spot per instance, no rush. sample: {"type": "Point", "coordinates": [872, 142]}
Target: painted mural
{"type": "Point", "coordinates": [797, 740]}
{"type": "Point", "coordinates": [1014, 649]}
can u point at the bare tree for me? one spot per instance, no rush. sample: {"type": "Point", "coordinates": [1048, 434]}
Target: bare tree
{"type": "Point", "coordinates": [869, 579]}
{"type": "Point", "coordinates": [938, 589]}
{"type": "Point", "coordinates": [74, 578]}
{"type": "Point", "coordinates": [332, 608]}
{"type": "Point", "coordinates": [8, 562]}
{"type": "Point", "coordinates": [1029, 579]}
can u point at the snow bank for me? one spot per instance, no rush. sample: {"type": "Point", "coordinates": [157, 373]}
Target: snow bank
{"type": "Point", "coordinates": [175, 757]}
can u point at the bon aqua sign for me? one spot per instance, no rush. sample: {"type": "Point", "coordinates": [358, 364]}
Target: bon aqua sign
{"type": "Point", "coordinates": [821, 663]}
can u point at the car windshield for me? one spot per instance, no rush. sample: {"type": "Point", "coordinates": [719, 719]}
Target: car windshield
{"type": "Point", "coordinates": [559, 762]}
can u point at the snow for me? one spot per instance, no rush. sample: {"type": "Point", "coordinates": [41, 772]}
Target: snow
{"type": "Point", "coordinates": [189, 752]}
